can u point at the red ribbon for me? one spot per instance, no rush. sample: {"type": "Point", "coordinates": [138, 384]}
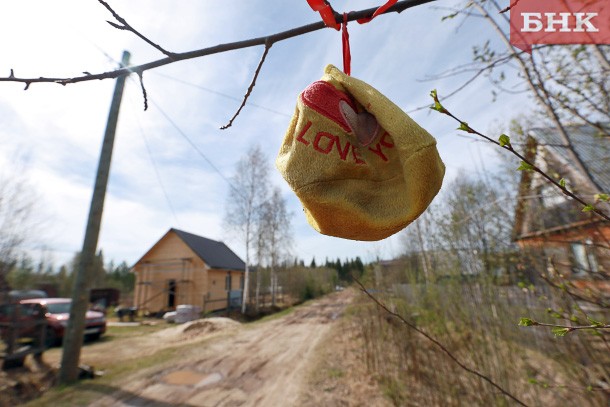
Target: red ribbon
{"type": "Point", "coordinates": [326, 12]}
{"type": "Point", "coordinates": [347, 55]}
{"type": "Point", "coordinates": [328, 16]}
{"type": "Point", "coordinates": [380, 10]}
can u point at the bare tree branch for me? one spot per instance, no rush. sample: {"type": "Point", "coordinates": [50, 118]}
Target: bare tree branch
{"type": "Point", "coordinates": [270, 39]}
{"type": "Point", "coordinates": [250, 88]}
{"type": "Point", "coordinates": [127, 27]}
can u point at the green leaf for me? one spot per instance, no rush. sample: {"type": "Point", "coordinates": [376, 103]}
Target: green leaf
{"type": "Point", "coordinates": [437, 104]}
{"type": "Point", "coordinates": [525, 166]}
{"type": "Point", "coordinates": [532, 380]}
{"type": "Point", "coordinates": [562, 182]}
{"type": "Point", "coordinates": [527, 322]}
{"type": "Point", "coordinates": [588, 208]}
{"type": "Point", "coordinates": [557, 331]}
{"type": "Point", "coordinates": [602, 197]}
{"type": "Point", "coordinates": [589, 388]}
{"type": "Point", "coordinates": [450, 16]}
{"type": "Point", "coordinates": [504, 140]}
{"type": "Point", "coordinates": [465, 127]}
{"type": "Point", "coordinates": [594, 322]}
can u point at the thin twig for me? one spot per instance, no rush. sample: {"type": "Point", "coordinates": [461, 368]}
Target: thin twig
{"type": "Point", "coordinates": [513, 4]}
{"type": "Point", "coordinates": [271, 39]}
{"type": "Point", "coordinates": [570, 327]}
{"type": "Point", "coordinates": [438, 344]}
{"type": "Point", "coordinates": [140, 76]}
{"type": "Point", "coordinates": [127, 27]}
{"type": "Point", "coordinates": [250, 88]}
{"type": "Point", "coordinates": [507, 146]}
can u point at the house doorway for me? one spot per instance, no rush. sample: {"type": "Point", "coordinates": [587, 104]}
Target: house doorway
{"type": "Point", "coordinates": [171, 293]}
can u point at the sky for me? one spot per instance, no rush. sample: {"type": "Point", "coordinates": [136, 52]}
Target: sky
{"type": "Point", "coordinates": [51, 134]}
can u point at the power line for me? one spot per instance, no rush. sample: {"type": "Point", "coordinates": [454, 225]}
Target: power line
{"type": "Point", "coordinates": [154, 165]}
{"type": "Point", "coordinates": [220, 94]}
{"type": "Point", "coordinates": [192, 144]}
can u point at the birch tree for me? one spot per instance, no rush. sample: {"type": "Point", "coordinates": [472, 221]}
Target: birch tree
{"type": "Point", "coordinates": [247, 194]}
{"type": "Point", "coordinates": [277, 231]}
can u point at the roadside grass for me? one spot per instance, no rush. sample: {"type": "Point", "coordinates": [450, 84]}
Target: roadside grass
{"type": "Point", "coordinates": [477, 323]}
{"type": "Point", "coordinates": [120, 332]}
{"type": "Point", "coordinates": [277, 315]}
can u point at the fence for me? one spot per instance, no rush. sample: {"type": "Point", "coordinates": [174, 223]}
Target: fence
{"type": "Point", "coordinates": [23, 330]}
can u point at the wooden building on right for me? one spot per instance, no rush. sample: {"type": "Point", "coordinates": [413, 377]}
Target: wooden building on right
{"type": "Point", "coordinates": [566, 241]}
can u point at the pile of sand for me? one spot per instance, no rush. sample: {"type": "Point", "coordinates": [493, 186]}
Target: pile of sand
{"type": "Point", "coordinates": [197, 328]}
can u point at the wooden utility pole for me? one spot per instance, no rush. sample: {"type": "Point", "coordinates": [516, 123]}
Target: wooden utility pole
{"type": "Point", "coordinates": [74, 334]}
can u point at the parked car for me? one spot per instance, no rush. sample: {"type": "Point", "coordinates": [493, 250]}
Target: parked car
{"type": "Point", "coordinates": [57, 313]}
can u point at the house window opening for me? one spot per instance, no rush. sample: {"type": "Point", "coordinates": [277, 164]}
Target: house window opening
{"type": "Point", "coordinates": [584, 258]}
{"type": "Point", "coordinates": [228, 282]}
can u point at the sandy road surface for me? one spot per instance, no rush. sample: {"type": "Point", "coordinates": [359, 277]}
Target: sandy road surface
{"type": "Point", "coordinates": [264, 364]}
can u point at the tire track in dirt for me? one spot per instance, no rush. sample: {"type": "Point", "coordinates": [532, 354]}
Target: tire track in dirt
{"type": "Point", "coordinates": [260, 365]}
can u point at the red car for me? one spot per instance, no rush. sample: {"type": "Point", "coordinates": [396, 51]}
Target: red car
{"type": "Point", "coordinates": [57, 312]}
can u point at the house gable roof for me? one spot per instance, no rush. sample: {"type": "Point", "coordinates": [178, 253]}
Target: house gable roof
{"type": "Point", "coordinates": [546, 147]}
{"type": "Point", "coordinates": [216, 255]}
{"type": "Point", "coordinates": [593, 150]}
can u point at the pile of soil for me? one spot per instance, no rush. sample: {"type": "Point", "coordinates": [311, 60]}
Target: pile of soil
{"type": "Point", "coordinates": [206, 326]}
{"type": "Point", "coordinates": [193, 329]}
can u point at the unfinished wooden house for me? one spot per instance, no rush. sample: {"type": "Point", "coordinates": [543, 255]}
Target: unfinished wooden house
{"type": "Point", "coordinates": [567, 241]}
{"type": "Point", "coordinates": [183, 268]}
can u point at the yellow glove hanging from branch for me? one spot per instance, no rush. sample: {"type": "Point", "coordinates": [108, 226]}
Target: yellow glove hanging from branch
{"type": "Point", "coordinates": [362, 168]}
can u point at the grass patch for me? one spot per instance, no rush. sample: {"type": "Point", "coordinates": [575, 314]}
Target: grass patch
{"type": "Point", "coordinates": [119, 332]}
{"type": "Point", "coordinates": [335, 373]}
{"type": "Point", "coordinates": [279, 314]}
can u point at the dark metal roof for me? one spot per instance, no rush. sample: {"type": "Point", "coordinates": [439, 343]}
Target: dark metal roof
{"type": "Point", "coordinates": [593, 149]}
{"type": "Point", "coordinates": [217, 255]}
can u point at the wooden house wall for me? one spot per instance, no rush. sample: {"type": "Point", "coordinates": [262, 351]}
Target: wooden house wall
{"type": "Point", "coordinates": [217, 292]}
{"type": "Point", "coordinates": [196, 283]}
{"type": "Point", "coordinates": [558, 247]}
{"type": "Point", "coordinates": [169, 259]}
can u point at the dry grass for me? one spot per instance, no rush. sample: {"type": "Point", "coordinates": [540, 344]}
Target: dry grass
{"type": "Point", "coordinates": [477, 322]}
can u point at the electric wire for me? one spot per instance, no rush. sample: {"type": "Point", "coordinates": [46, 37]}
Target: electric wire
{"type": "Point", "coordinates": [154, 164]}
{"type": "Point", "coordinates": [194, 146]}
{"type": "Point", "coordinates": [220, 93]}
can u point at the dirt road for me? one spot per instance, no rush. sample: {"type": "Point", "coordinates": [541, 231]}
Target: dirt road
{"type": "Point", "coordinates": [262, 364]}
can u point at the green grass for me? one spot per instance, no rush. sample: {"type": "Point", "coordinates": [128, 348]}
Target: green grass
{"type": "Point", "coordinates": [120, 332]}
{"type": "Point", "coordinates": [279, 314]}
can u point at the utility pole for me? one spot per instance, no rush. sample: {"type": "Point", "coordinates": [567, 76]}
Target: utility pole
{"type": "Point", "coordinates": [74, 334]}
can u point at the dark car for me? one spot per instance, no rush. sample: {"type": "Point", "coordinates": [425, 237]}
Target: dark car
{"type": "Point", "coordinates": [57, 313]}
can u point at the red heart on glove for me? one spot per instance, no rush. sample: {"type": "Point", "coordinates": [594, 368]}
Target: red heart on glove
{"type": "Point", "coordinates": [337, 106]}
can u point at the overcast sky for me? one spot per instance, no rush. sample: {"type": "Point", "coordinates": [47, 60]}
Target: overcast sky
{"type": "Point", "coordinates": [54, 133]}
